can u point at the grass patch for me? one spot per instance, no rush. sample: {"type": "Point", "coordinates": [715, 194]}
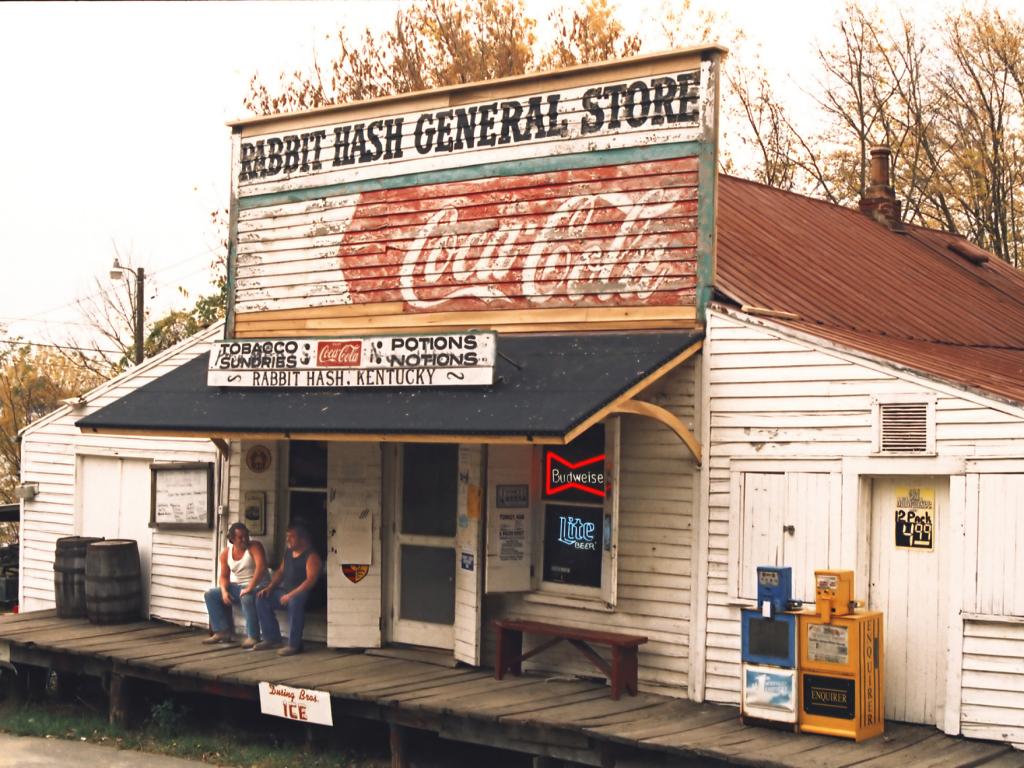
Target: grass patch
{"type": "Point", "coordinates": [172, 729]}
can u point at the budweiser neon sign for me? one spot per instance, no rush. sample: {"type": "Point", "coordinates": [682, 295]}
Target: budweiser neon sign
{"type": "Point", "coordinates": [561, 475]}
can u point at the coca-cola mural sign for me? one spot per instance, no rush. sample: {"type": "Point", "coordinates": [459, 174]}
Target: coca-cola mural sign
{"type": "Point", "coordinates": [447, 359]}
{"type": "Point", "coordinates": [596, 237]}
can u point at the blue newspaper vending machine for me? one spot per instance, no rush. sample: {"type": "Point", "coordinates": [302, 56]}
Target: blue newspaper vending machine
{"type": "Point", "coordinates": [769, 652]}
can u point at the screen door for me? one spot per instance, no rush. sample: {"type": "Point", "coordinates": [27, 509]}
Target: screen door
{"type": "Point", "coordinates": [423, 546]}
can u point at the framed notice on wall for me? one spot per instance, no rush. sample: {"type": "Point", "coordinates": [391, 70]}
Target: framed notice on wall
{"type": "Point", "coordinates": [181, 495]}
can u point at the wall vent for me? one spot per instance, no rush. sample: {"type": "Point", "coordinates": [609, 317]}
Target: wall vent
{"type": "Point", "coordinates": [904, 427]}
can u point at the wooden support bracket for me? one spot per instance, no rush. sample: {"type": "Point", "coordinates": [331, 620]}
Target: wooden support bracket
{"type": "Point", "coordinates": [666, 417]}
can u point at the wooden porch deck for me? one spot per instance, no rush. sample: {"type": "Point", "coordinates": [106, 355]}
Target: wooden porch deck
{"type": "Point", "coordinates": [571, 720]}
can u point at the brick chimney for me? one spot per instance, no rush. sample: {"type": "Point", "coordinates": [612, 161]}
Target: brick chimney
{"type": "Point", "coordinates": [879, 201]}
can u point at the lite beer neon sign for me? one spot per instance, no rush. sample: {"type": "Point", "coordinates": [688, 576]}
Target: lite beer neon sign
{"type": "Point", "coordinates": [561, 474]}
{"type": "Point", "coordinates": [577, 533]}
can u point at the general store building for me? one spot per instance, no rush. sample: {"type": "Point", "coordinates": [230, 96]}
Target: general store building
{"type": "Point", "coordinates": [692, 375]}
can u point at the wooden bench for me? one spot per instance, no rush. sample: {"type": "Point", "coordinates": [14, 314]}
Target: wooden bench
{"type": "Point", "coordinates": [622, 671]}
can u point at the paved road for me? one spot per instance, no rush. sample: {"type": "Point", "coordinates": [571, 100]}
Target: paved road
{"type": "Point", "coordinates": [29, 752]}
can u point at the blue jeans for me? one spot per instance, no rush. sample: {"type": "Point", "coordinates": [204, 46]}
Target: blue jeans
{"type": "Point", "coordinates": [221, 619]}
{"type": "Point", "coordinates": [265, 607]}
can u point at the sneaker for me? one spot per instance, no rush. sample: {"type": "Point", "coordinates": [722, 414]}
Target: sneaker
{"type": "Point", "coordinates": [289, 651]}
{"type": "Point", "coordinates": [266, 645]}
{"type": "Point", "coordinates": [218, 637]}
{"type": "Point", "coordinates": [249, 643]}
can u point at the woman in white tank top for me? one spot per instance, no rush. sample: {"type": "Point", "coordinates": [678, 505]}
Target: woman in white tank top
{"type": "Point", "coordinates": [243, 571]}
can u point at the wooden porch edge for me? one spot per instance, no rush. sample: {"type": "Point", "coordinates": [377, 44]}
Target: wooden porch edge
{"type": "Point", "coordinates": [570, 720]}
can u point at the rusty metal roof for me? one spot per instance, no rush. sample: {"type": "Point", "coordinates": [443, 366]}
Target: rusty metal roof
{"type": "Point", "coordinates": [922, 299]}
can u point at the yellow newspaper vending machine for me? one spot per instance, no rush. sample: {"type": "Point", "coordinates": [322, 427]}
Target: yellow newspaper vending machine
{"type": "Point", "coordinates": [841, 650]}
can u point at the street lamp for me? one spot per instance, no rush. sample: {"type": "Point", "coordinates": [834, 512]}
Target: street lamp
{"type": "Point", "coordinates": [116, 273]}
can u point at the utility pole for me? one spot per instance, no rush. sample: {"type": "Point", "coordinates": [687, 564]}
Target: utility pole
{"type": "Point", "coordinates": [140, 312]}
{"type": "Point", "coordinates": [116, 273]}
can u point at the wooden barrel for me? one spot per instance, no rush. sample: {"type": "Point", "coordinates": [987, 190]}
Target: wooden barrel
{"type": "Point", "coordinates": [69, 575]}
{"type": "Point", "coordinates": [113, 582]}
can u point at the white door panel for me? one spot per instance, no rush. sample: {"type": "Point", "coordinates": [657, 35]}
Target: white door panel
{"type": "Point", "coordinates": [907, 586]}
{"type": "Point", "coordinates": [114, 498]}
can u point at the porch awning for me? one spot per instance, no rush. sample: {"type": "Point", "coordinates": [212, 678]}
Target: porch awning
{"type": "Point", "coordinates": [547, 389]}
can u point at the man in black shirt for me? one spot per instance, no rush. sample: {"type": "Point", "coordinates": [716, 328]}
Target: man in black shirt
{"type": "Point", "coordinates": [289, 590]}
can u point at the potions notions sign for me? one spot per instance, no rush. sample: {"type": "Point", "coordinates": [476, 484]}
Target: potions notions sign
{"type": "Point", "coordinates": [440, 360]}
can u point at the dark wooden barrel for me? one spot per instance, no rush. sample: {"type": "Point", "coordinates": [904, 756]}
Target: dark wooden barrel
{"type": "Point", "coordinates": [113, 582]}
{"type": "Point", "coordinates": [69, 575]}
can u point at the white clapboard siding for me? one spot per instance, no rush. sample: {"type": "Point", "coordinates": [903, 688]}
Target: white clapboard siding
{"type": "Point", "coordinates": [773, 395]}
{"type": "Point", "coordinates": [183, 566]}
{"type": "Point", "coordinates": [182, 563]}
{"type": "Point", "coordinates": [993, 681]}
{"type": "Point", "coordinates": [658, 481]}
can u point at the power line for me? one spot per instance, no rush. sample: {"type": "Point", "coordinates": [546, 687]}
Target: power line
{"type": "Point", "coordinates": [27, 343]}
{"type": "Point", "coordinates": [159, 271]}
{"type": "Point", "coordinates": [46, 322]}
{"type": "Point", "coordinates": [72, 347]}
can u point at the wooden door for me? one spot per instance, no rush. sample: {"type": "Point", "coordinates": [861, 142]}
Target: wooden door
{"type": "Point", "coordinates": [423, 546]}
{"type": "Point", "coordinates": [789, 518]}
{"type": "Point", "coordinates": [114, 499]}
{"type": "Point", "coordinates": [908, 537]}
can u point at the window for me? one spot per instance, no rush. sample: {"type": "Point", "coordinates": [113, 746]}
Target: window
{"type": "Point", "coordinates": [573, 491]}
{"type": "Point", "coordinates": [578, 515]}
{"type": "Point", "coordinates": [552, 521]}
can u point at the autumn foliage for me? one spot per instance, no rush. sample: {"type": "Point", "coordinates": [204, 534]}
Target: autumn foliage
{"type": "Point", "coordinates": [434, 43]}
{"type": "Point", "coordinates": [33, 382]}
{"type": "Point", "coordinates": [948, 98]}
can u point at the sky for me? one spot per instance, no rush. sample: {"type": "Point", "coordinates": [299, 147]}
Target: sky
{"type": "Point", "coordinates": [113, 138]}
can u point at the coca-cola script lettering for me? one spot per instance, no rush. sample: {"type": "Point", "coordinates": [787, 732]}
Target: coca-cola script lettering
{"type": "Point", "coordinates": [592, 237]}
{"type": "Point", "coordinates": [448, 262]}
